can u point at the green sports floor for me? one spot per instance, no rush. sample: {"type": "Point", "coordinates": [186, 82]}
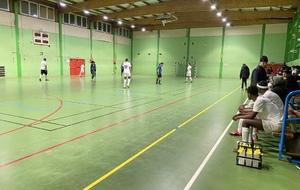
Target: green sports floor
{"type": "Point", "coordinates": [70, 133]}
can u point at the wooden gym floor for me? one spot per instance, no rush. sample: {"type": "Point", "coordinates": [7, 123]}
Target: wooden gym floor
{"type": "Point", "coordinates": [71, 133]}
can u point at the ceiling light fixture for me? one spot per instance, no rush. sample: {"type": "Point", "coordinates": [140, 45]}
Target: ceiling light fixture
{"type": "Point", "coordinates": [62, 4]}
{"type": "Point", "coordinates": [105, 17]}
{"type": "Point", "coordinates": [143, 29]}
{"type": "Point", "coordinates": [86, 12]}
{"type": "Point", "coordinates": [120, 22]}
{"type": "Point", "coordinates": [213, 6]}
{"type": "Point", "coordinates": [132, 26]}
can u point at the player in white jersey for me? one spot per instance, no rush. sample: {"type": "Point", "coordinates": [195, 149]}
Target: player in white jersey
{"type": "Point", "coordinates": [44, 70]}
{"type": "Point", "coordinates": [127, 73]}
{"type": "Point", "coordinates": [189, 73]}
{"type": "Point", "coordinates": [81, 70]}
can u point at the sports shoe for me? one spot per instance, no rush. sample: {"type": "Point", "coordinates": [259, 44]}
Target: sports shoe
{"type": "Point", "coordinates": [234, 150]}
{"type": "Point", "coordinates": [47, 80]}
{"type": "Point", "coordinates": [235, 133]}
{"type": "Point", "coordinates": [40, 79]}
{"type": "Point", "coordinates": [298, 166]}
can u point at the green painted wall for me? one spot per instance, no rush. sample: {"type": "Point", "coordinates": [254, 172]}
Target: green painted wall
{"type": "Point", "coordinates": [206, 51]}
{"type": "Point", "coordinates": [144, 56]}
{"type": "Point", "coordinates": [239, 50]}
{"type": "Point", "coordinates": [8, 50]}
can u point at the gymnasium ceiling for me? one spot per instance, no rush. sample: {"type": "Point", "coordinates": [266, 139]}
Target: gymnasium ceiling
{"type": "Point", "coordinates": [179, 14]}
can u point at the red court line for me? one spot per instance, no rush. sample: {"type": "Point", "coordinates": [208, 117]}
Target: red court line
{"type": "Point", "coordinates": [36, 121]}
{"type": "Point", "coordinates": [90, 133]}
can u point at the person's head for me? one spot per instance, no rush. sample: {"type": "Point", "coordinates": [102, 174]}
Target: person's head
{"type": "Point", "coordinates": [126, 59]}
{"type": "Point", "coordinates": [162, 63]}
{"type": "Point", "coordinates": [263, 61]}
{"type": "Point", "coordinates": [252, 92]}
{"type": "Point", "coordinates": [91, 60]}
{"type": "Point", "coordinates": [286, 74]}
{"type": "Point", "coordinates": [45, 59]}
{"type": "Point", "coordinates": [275, 80]}
{"type": "Point", "coordinates": [262, 87]}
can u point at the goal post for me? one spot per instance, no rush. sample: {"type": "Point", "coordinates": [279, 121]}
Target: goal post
{"type": "Point", "coordinates": [180, 68]}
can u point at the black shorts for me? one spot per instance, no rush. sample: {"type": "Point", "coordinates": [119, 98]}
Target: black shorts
{"type": "Point", "coordinates": [44, 72]}
{"type": "Point", "coordinates": [159, 75]}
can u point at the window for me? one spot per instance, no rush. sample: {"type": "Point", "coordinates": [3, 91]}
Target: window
{"type": "Point", "coordinates": [43, 11]}
{"type": "Point", "coordinates": [84, 22]}
{"type": "Point", "coordinates": [66, 18]}
{"type": "Point", "coordinates": [123, 32]}
{"type": "Point", "coordinates": [77, 20]}
{"type": "Point", "coordinates": [50, 14]}
{"type": "Point", "coordinates": [99, 26]}
{"type": "Point", "coordinates": [72, 19]}
{"type": "Point", "coordinates": [4, 5]}
{"type": "Point", "coordinates": [25, 7]}
{"type": "Point", "coordinates": [102, 26]}
{"type": "Point", "coordinates": [33, 7]}
{"type": "Point", "coordinates": [36, 10]}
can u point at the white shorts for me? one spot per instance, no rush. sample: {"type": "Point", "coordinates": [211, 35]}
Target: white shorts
{"type": "Point", "coordinates": [270, 126]}
{"type": "Point", "coordinates": [126, 74]}
{"type": "Point", "coordinates": [189, 74]}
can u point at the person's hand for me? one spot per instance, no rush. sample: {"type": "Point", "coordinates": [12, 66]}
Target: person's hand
{"type": "Point", "coordinates": [234, 118]}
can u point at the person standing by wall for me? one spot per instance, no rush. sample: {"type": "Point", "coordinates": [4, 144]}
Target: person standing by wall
{"type": "Point", "coordinates": [44, 70]}
{"type": "Point", "coordinates": [189, 73]}
{"type": "Point", "coordinates": [127, 73]}
{"type": "Point", "coordinates": [93, 69]}
{"type": "Point", "coordinates": [159, 73]}
{"type": "Point", "coordinates": [81, 70]}
{"type": "Point", "coordinates": [259, 72]}
{"type": "Point", "coordinates": [244, 75]}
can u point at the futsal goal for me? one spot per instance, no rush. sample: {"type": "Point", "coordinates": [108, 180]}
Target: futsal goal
{"type": "Point", "coordinates": [180, 68]}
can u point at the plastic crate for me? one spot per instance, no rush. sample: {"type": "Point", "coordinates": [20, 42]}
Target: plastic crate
{"type": "Point", "coordinates": [249, 155]}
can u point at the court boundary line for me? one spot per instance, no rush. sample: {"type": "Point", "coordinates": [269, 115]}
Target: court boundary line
{"type": "Point", "coordinates": [206, 159]}
{"type": "Point", "coordinates": [36, 121]}
{"type": "Point", "coordinates": [153, 144]}
{"type": "Point", "coordinates": [95, 131]}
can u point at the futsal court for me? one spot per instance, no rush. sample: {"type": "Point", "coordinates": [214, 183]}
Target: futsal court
{"type": "Point", "coordinates": [70, 133]}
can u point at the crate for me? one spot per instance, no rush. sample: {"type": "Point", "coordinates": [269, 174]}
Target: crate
{"type": "Point", "coordinates": [249, 155]}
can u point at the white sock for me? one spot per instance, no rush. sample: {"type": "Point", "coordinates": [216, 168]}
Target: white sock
{"type": "Point", "coordinates": [124, 82]}
{"type": "Point", "coordinates": [245, 134]}
{"type": "Point", "coordinates": [240, 125]}
{"type": "Point", "coordinates": [128, 82]}
{"type": "Point", "coordinates": [251, 129]}
{"type": "Point", "coordinates": [191, 79]}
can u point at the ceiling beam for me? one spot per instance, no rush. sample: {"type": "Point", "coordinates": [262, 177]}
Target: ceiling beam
{"type": "Point", "coordinates": [164, 7]}
{"type": "Point", "coordinates": [205, 15]}
{"type": "Point", "coordinates": [207, 24]}
{"type": "Point", "coordinates": [231, 4]}
{"type": "Point", "coordinates": [94, 4]}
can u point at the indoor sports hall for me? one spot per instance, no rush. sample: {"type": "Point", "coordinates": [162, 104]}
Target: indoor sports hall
{"type": "Point", "coordinates": [70, 132]}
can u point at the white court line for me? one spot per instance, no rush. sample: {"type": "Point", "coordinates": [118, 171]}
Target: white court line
{"type": "Point", "coordinates": [193, 179]}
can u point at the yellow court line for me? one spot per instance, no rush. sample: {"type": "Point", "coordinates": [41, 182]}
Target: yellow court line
{"type": "Point", "coordinates": [152, 144]}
